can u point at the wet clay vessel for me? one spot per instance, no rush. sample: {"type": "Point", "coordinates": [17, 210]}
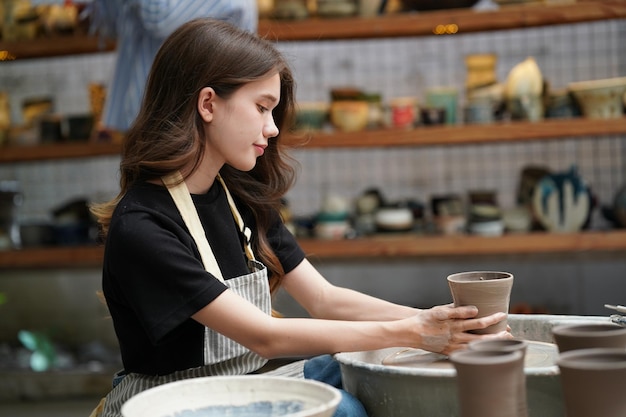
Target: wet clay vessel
{"type": "Point", "coordinates": [488, 382]}
{"type": "Point", "coordinates": [593, 382]}
{"type": "Point", "coordinates": [489, 291]}
{"type": "Point", "coordinates": [508, 345]}
{"type": "Point", "coordinates": [589, 335]}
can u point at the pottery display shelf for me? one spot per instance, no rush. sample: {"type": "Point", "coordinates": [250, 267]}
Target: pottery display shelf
{"type": "Point", "coordinates": [386, 26]}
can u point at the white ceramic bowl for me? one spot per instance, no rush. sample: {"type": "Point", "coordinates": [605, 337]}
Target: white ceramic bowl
{"type": "Point", "coordinates": [258, 395]}
{"type": "Point", "coordinates": [488, 228]}
{"type": "Point", "coordinates": [600, 99]}
{"type": "Point", "coordinates": [332, 230]}
{"type": "Point", "coordinates": [394, 218]}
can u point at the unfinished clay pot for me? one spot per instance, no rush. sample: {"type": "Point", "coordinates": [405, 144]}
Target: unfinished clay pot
{"type": "Point", "coordinates": [499, 345]}
{"type": "Point", "coordinates": [593, 382]}
{"type": "Point", "coordinates": [508, 345]}
{"type": "Point", "coordinates": [489, 291]}
{"type": "Point", "coordinates": [590, 335]}
{"type": "Point", "coordinates": [488, 382]}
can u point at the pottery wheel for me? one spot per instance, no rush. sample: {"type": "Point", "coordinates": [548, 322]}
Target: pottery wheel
{"type": "Point", "coordinates": [538, 355]}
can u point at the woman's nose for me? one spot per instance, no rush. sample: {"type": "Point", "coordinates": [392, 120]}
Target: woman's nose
{"type": "Point", "coordinates": [270, 130]}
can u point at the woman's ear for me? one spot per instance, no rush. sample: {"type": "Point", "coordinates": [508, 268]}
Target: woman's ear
{"type": "Point", "coordinates": [206, 99]}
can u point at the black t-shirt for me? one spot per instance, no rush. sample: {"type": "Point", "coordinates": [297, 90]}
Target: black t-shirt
{"type": "Point", "coordinates": [154, 279]}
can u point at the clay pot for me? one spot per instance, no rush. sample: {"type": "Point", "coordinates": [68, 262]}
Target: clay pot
{"type": "Point", "coordinates": [508, 345]}
{"type": "Point", "coordinates": [593, 382]}
{"type": "Point", "coordinates": [499, 345]}
{"type": "Point", "coordinates": [592, 335]}
{"type": "Point", "coordinates": [488, 382]}
{"type": "Point", "coordinates": [349, 115]}
{"type": "Point", "coordinates": [489, 291]}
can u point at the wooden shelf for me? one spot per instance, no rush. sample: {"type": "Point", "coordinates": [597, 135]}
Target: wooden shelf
{"type": "Point", "coordinates": [469, 134]}
{"type": "Point", "coordinates": [52, 257]}
{"type": "Point", "coordinates": [389, 25]}
{"type": "Point", "coordinates": [421, 136]}
{"type": "Point", "coordinates": [55, 46]}
{"type": "Point", "coordinates": [411, 245]}
{"type": "Point", "coordinates": [380, 246]}
{"type": "Point", "coordinates": [57, 151]}
{"type": "Point", "coordinates": [425, 23]}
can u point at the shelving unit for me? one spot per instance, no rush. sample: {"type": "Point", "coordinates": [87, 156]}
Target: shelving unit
{"type": "Point", "coordinates": [389, 245]}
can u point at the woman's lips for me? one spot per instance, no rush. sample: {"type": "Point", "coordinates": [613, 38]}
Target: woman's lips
{"type": "Point", "coordinates": [260, 149]}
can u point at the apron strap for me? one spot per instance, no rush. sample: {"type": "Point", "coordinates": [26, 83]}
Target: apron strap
{"type": "Point", "coordinates": [242, 227]}
{"type": "Point", "coordinates": [182, 198]}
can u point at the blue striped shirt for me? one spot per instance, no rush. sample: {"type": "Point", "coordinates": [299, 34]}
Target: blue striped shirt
{"type": "Point", "coordinates": [140, 27]}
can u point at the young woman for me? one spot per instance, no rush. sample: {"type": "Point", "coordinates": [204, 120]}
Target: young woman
{"type": "Point", "coordinates": [195, 245]}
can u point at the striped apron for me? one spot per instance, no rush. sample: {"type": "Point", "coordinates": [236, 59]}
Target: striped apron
{"type": "Point", "coordinates": [222, 356]}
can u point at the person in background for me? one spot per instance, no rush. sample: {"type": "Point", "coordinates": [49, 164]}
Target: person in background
{"type": "Point", "coordinates": [195, 246]}
{"type": "Point", "coordinates": [140, 27]}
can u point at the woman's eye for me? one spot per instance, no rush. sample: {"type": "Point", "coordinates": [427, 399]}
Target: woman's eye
{"type": "Point", "coordinates": [262, 109]}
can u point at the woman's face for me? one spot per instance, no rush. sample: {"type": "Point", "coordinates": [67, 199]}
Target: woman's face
{"type": "Point", "coordinates": [241, 125]}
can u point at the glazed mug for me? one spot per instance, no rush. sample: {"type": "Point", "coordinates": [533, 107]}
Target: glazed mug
{"type": "Point", "coordinates": [489, 291]}
{"type": "Point", "coordinates": [446, 98]}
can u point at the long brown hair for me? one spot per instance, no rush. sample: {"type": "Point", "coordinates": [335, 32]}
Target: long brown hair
{"type": "Point", "coordinates": [168, 134]}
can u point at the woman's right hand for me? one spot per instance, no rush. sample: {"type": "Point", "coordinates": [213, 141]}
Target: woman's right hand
{"type": "Point", "coordinates": [444, 329]}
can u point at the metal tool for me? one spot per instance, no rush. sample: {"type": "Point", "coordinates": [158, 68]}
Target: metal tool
{"type": "Point", "coordinates": [621, 309]}
{"type": "Point", "coordinates": [618, 319]}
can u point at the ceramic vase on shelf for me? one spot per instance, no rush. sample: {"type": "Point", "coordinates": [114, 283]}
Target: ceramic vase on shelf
{"type": "Point", "coordinates": [488, 382]}
{"type": "Point", "coordinates": [489, 291]}
{"type": "Point", "coordinates": [593, 382]}
{"type": "Point", "coordinates": [523, 91]}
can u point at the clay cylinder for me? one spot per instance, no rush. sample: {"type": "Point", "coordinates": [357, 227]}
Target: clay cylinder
{"type": "Point", "coordinates": [489, 291]}
{"type": "Point", "coordinates": [593, 382]}
{"type": "Point", "coordinates": [508, 345]}
{"type": "Point", "coordinates": [591, 335]}
{"type": "Point", "coordinates": [488, 382]}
